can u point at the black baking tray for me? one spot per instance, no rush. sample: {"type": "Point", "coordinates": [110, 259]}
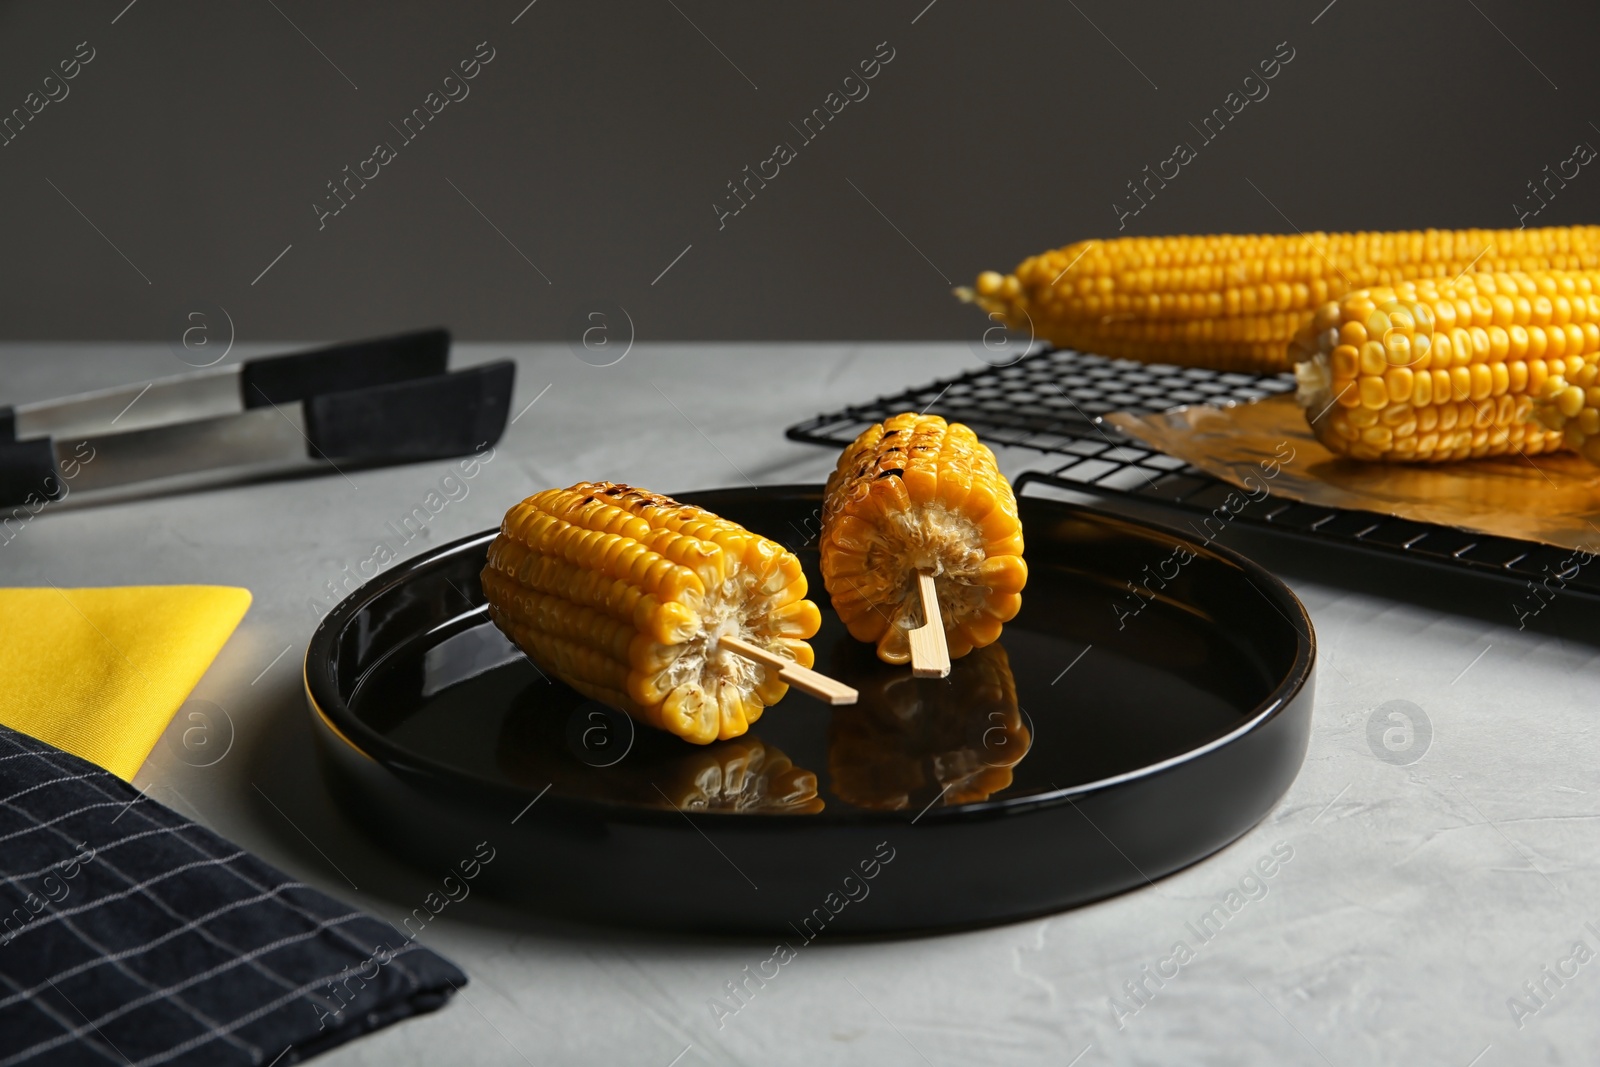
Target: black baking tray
{"type": "Point", "coordinates": [1053, 401]}
{"type": "Point", "coordinates": [1105, 740]}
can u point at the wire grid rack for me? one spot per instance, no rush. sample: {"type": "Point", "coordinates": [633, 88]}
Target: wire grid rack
{"type": "Point", "coordinates": [1051, 402]}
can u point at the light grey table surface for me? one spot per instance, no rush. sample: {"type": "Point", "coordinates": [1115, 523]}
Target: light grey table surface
{"type": "Point", "coordinates": [1418, 900]}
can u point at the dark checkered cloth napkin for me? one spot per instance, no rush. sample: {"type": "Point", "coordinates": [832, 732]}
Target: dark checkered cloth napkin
{"type": "Point", "coordinates": [131, 935]}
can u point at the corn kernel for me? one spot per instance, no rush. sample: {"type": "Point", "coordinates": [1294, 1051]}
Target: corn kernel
{"type": "Point", "coordinates": [1482, 381]}
{"type": "Point", "coordinates": [1374, 360]}
{"type": "Point", "coordinates": [1401, 382]}
{"type": "Point", "coordinates": [1395, 414]}
{"type": "Point", "coordinates": [1374, 394]}
{"type": "Point", "coordinates": [1536, 342]}
{"type": "Point", "coordinates": [1421, 389]}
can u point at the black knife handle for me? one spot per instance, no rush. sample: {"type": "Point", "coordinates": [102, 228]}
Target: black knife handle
{"type": "Point", "coordinates": [425, 418]}
{"type": "Point", "coordinates": [28, 478]}
{"type": "Point", "coordinates": [339, 368]}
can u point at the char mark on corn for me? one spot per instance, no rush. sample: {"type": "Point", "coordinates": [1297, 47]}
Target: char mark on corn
{"type": "Point", "coordinates": [915, 493]}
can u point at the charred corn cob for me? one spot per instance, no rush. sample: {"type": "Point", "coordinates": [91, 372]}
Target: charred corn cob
{"type": "Point", "coordinates": [625, 594]}
{"type": "Point", "coordinates": [913, 494]}
{"type": "Point", "coordinates": [908, 739]}
{"type": "Point", "coordinates": [1233, 302]}
{"type": "Point", "coordinates": [1446, 370]}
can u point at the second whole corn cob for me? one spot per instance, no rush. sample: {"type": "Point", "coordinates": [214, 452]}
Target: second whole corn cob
{"type": "Point", "coordinates": [1431, 371]}
{"type": "Point", "coordinates": [1234, 302]}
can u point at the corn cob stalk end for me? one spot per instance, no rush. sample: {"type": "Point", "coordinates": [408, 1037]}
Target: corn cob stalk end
{"type": "Point", "coordinates": [1570, 405]}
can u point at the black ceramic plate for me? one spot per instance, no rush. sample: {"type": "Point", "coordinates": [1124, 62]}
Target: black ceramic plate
{"type": "Point", "coordinates": [1109, 737]}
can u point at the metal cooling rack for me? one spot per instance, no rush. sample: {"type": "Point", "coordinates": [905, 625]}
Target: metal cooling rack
{"type": "Point", "coordinates": [1051, 402]}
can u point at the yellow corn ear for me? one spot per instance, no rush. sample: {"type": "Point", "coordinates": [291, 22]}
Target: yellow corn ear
{"type": "Point", "coordinates": [915, 493]}
{"type": "Point", "coordinates": [1439, 370]}
{"type": "Point", "coordinates": [1234, 302]}
{"type": "Point", "coordinates": [624, 595]}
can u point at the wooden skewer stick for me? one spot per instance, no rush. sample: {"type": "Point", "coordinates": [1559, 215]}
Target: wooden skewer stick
{"type": "Point", "coordinates": [808, 681]}
{"type": "Point", "coordinates": [930, 655]}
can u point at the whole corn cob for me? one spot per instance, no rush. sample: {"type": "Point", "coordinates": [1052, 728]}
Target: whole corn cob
{"type": "Point", "coordinates": [1233, 302]}
{"type": "Point", "coordinates": [1431, 371]}
{"type": "Point", "coordinates": [910, 494]}
{"type": "Point", "coordinates": [624, 595]}
{"type": "Point", "coordinates": [908, 738]}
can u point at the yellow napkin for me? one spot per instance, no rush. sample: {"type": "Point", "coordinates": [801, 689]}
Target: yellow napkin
{"type": "Point", "coordinates": [100, 672]}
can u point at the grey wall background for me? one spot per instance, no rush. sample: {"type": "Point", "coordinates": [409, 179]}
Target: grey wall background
{"type": "Point", "coordinates": [597, 140]}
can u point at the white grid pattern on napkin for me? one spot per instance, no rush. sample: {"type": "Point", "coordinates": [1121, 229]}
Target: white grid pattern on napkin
{"type": "Point", "coordinates": [283, 902]}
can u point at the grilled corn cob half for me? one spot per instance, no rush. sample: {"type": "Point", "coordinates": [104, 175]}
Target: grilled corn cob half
{"type": "Point", "coordinates": [1233, 302]}
{"type": "Point", "coordinates": [915, 493]}
{"type": "Point", "coordinates": [908, 739]}
{"type": "Point", "coordinates": [624, 595]}
{"type": "Point", "coordinates": [1447, 370]}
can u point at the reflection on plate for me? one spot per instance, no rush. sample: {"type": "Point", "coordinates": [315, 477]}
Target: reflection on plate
{"type": "Point", "coordinates": [593, 751]}
{"type": "Point", "coordinates": [910, 741]}
{"type": "Point", "coordinates": [742, 775]}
